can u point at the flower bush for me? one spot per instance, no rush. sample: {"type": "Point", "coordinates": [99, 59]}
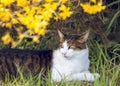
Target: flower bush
{"type": "Point", "coordinates": [93, 9]}
{"type": "Point", "coordinates": [30, 18]}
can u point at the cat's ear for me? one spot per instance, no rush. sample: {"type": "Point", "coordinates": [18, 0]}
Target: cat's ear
{"type": "Point", "coordinates": [61, 35]}
{"type": "Point", "coordinates": [84, 36]}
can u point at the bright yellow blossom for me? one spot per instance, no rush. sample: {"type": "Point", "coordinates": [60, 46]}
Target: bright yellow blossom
{"type": "Point", "coordinates": [42, 31]}
{"type": "Point", "coordinates": [8, 25]}
{"type": "Point", "coordinates": [5, 15]}
{"type": "Point", "coordinates": [23, 3]}
{"type": "Point", "coordinates": [65, 12]}
{"type": "Point", "coordinates": [47, 15]}
{"type": "Point", "coordinates": [40, 27]}
{"type": "Point", "coordinates": [63, 1]}
{"type": "Point", "coordinates": [14, 21]}
{"type": "Point", "coordinates": [30, 18]}
{"type": "Point", "coordinates": [94, 1]}
{"type": "Point", "coordinates": [6, 39]}
{"type": "Point", "coordinates": [51, 6]}
{"type": "Point", "coordinates": [44, 23]}
{"type": "Point", "coordinates": [92, 9]}
{"type": "Point", "coordinates": [49, 0]}
{"type": "Point", "coordinates": [31, 32]}
{"type": "Point", "coordinates": [99, 3]}
{"type": "Point", "coordinates": [36, 27]}
{"type": "Point", "coordinates": [21, 36]}
{"type": "Point", "coordinates": [13, 43]}
{"type": "Point", "coordinates": [6, 2]}
{"type": "Point", "coordinates": [63, 8]}
{"type": "Point", "coordinates": [36, 39]}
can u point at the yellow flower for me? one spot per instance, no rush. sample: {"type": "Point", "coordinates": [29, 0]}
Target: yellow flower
{"type": "Point", "coordinates": [42, 31]}
{"type": "Point", "coordinates": [6, 39]}
{"type": "Point", "coordinates": [99, 3]}
{"type": "Point", "coordinates": [92, 9]}
{"type": "Point", "coordinates": [23, 3]}
{"type": "Point", "coordinates": [33, 16]}
{"type": "Point", "coordinates": [7, 2]}
{"type": "Point", "coordinates": [65, 12]}
{"type": "Point", "coordinates": [51, 6]}
{"type": "Point", "coordinates": [21, 36]}
{"type": "Point", "coordinates": [40, 28]}
{"type": "Point", "coordinates": [56, 18]}
{"type": "Point", "coordinates": [48, 0]}
{"type": "Point", "coordinates": [63, 1]}
{"type": "Point", "coordinates": [47, 15]}
{"type": "Point", "coordinates": [14, 21]}
{"type": "Point", "coordinates": [94, 1]}
{"type": "Point", "coordinates": [63, 8]}
{"type": "Point", "coordinates": [5, 15]}
{"type": "Point", "coordinates": [44, 23]}
{"type": "Point", "coordinates": [8, 25]}
{"type": "Point", "coordinates": [31, 32]}
{"type": "Point", "coordinates": [13, 43]}
{"type": "Point", "coordinates": [35, 39]}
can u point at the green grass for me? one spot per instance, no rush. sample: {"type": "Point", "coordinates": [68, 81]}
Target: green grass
{"type": "Point", "coordinates": [101, 62]}
{"type": "Point", "coordinates": [106, 65]}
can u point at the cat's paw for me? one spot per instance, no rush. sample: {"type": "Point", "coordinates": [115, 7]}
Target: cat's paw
{"type": "Point", "coordinates": [92, 77]}
{"type": "Point", "coordinates": [96, 75]}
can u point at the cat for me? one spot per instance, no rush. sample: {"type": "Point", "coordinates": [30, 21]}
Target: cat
{"type": "Point", "coordinates": [70, 62]}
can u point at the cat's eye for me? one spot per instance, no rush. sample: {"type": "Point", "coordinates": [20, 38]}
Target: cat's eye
{"type": "Point", "coordinates": [69, 47]}
{"type": "Point", "coordinates": [61, 46]}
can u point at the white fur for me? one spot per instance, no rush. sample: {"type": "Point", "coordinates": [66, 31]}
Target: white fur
{"type": "Point", "coordinates": [71, 65]}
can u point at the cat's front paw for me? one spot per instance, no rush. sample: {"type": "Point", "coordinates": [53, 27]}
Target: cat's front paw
{"type": "Point", "coordinates": [92, 77]}
{"type": "Point", "coordinates": [96, 75]}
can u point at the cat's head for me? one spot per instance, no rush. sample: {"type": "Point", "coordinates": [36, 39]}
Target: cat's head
{"type": "Point", "coordinates": [72, 44]}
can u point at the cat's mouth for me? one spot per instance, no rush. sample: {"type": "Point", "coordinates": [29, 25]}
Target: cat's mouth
{"type": "Point", "coordinates": [67, 57]}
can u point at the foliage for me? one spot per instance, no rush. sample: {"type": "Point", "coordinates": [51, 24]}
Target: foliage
{"type": "Point", "coordinates": [93, 9]}
{"type": "Point", "coordinates": [116, 15]}
{"type": "Point", "coordinates": [30, 18]}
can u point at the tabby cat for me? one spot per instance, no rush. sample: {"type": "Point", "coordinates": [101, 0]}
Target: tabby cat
{"type": "Point", "coordinates": [69, 62]}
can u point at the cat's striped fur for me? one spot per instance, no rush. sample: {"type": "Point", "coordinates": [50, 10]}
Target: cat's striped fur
{"type": "Point", "coordinates": [30, 62]}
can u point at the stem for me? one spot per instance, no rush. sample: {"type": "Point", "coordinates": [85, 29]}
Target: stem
{"type": "Point", "coordinates": [112, 21]}
{"type": "Point", "coordinates": [115, 2]}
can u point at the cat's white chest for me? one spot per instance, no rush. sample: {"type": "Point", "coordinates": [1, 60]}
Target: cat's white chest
{"type": "Point", "coordinates": [63, 67]}
{"type": "Point", "coordinates": [70, 61]}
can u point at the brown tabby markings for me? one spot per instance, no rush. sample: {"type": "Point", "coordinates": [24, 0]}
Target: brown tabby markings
{"type": "Point", "coordinates": [31, 62]}
{"type": "Point", "coordinates": [76, 42]}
